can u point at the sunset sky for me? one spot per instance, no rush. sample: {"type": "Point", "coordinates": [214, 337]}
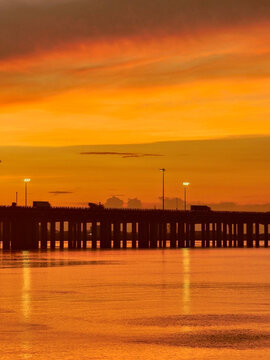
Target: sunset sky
{"type": "Point", "coordinates": [137, 85]}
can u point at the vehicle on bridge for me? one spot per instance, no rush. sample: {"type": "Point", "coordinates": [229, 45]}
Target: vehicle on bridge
{"type": "Point", "coordinates": [200, 208]}
{"type": "Point", "coordinates": [94, 206]}
{"type": "Point", "coordinates": [41, 205]}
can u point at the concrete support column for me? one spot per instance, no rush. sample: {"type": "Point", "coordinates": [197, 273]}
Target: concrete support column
{"type": "Point", "coordinates": [257, 231]}
{"type": "Point", "coordinates": [160, 235]}
{"type": "Point", "coordinates": [181, 234]}
{"type": "Point", "coordinates": [266, 235]}
{"type": "Point", "coordinates": [105, 234]}
{"type": "Point", "coordinates": [249, 234]}
{"type": "Point", "coordinates": [70, 235]}
{"type": "Point", "coordinates": [153, 235]}
{"type": "Point", "coordinates": [44, 235]}
{"type": "Point", "coordinates": [213, 234]}
{"type": "Point", "coordinates": [6, 235]}
{"type": "Point", "coordinates": [79, 235]}
{"type": "Point", "coordinates": [52, 235]}
{"type": "Point", "coordinates": [230, 235]}
{"type": "Point", "coordinates": [35, 232]}
{"type": "Point", "coordinates": [173, 235]}
{"type": "Point", "coordinates": [140, 234]}
{"type": "Point", "coordinates": [62, 235]}
{"type": "Point", "coordinates": [134, 235]}
{"type": "Point", "coordinates": [94, 234]}
{"type": "Point", "coordinates": [84, 234]}
{"type": "Point", "coordinates": [23, 234]}
{"type": "Point", "coordinates": [147, 234]}
{"type": "Point", "coordinates": [240, 235]}
{"type": "Point", "coordinates": [225, 234]}
{"type": "Point", "coordinates": [203, 235]}
{"type": "Point", "coordinates": [192, 235]}
{"type": "Point", "coordinates": [187, 234]}
{"type": "Point", "coordinates": [75, 236]}
{"type": "Point", "coordinates": [235, 235]}
{"type": "Point", "coordinates": [218, 234]}
{"type": "Point", "coordinates": [164, 235]}
{"type": "Point", "coordinates": [143, 235]}
{"type": "Point", "coordinates": [116, 235]}
{"type": "Point", "coordinates": [207, 234]}
{"type": "Point", "coordinates": [124, 235]}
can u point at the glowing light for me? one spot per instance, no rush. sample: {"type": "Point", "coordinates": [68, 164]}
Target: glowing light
{"type": "Point", "coordinates": [27, 180]}
{"type": "Point", "coordinates": [186, 183]}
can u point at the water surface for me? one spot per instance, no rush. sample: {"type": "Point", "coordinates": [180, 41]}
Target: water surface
{"type": "Point", "coordinates": [135, 304]}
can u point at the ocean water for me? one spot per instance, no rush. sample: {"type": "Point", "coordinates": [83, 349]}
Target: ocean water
{"type": "Point", "coordinates": [135, 304]}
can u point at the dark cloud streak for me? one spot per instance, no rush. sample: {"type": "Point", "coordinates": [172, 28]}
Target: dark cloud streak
{"type": "Point", "coordinates": [34, 27]}
{"type": "Point", "coordinates": [122, 154]}
{"type": "Point", "coordinates": [57, 192]}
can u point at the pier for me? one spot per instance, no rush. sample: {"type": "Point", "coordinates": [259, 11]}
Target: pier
{"type": "Point", "coordinates": [23, 228]}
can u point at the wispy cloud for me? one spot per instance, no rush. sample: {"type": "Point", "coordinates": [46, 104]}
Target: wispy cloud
{"type": "Point", "coordinates": [39, 21]}
{"type": "Point", "coordinates": [121, 154]}
{"type": "Point", "coordinates": [58, 192]}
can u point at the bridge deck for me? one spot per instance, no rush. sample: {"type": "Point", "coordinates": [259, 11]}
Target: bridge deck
{"type": "Point", "coordinates": [33, 228]}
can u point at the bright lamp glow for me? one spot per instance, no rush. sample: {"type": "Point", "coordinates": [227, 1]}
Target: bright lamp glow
{"type": "Point", "coordinates": [186, 183]}
{"type": "Point", "coordinates": [27, 180]}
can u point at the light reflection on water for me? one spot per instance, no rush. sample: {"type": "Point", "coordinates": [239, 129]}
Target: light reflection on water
{"type": "Point", "coordinates": [186, 281]}
{"type": "Point", "coordinates": [152, 304]}
{"type": "Point", "coordinates": [26, 304]}
{"type": "Point", "coordinates": [26, 285]}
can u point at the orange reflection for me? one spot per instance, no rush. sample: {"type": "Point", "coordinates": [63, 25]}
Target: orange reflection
{"type": "Point", "coordinates": [186, 281]}
{"type": "Point", "coordinates": [26, 305]}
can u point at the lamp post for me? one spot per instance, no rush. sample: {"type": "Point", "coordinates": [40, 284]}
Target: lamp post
{"type": "Point", "coordinates": [26, 181]}
{"type": "Point", "coordinates": [163, 191]}
{"type": "Point", "coordinates": [185, 184]}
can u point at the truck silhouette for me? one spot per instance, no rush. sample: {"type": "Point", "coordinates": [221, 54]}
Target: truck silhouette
{"type": "Point", "coordinates": [41, 204]}
{"type": "Point", "coordinates": [94, 206]}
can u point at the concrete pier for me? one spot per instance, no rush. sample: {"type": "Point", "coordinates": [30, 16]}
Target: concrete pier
{"type": "Point", "coordinates": [30, 228]}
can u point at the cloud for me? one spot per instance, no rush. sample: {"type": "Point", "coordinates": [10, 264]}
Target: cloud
{"type": "Point", "coordinates": [57, 192]}
{"type": "Point", "coordinates": [90, 45]}
{"type": "Point", "coordinates": [114, 202]}
{"type": "Point", "coordinates": [124, 155]}
{"type": "Point", "coordinates": [18, 85]}
{"type": "Point", "coordinates": [134, 203]}
{"type": "Point", "coordinates": [35, 26]}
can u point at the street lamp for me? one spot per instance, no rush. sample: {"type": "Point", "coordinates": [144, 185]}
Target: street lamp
{"type": "Point", "coordinates": [163, 198]}
{"type": "Point", "coordinates": [26, 181]}
{"type": "Point", "coordinates": [185, 184]}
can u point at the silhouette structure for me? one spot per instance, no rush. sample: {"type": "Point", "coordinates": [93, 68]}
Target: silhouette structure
{"type": "Point", "coordinates": [114, 203]}
{"type": "Point", "coordinates": [75, 228]}
{"type": "Point", "coordinates": [134, 204]}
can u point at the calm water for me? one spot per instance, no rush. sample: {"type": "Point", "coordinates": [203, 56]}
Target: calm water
{"type": "Point", "coordinates": [135, 304]}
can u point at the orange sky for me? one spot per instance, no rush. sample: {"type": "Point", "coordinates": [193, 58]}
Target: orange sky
{"type": "Point", "coordinates": [86, 73]}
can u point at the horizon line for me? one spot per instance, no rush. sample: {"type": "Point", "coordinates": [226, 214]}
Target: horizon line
{"type": "Point", "coordinates": [202, 139]}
